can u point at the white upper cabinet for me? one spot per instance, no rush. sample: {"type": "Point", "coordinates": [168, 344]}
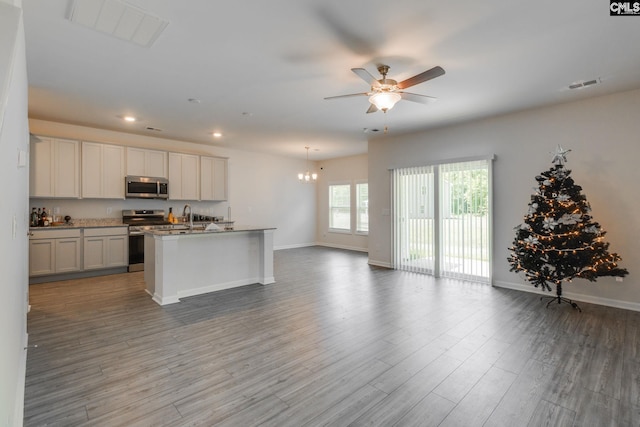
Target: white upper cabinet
{"type": "Point", "coordinates": [103, 170]}
{"type": "Point", "coordinates": [213, 178]}
{"type": "Point", "coordinates": [184, 176]}
{"type": "Point", "coordinates": [54, 168]}
{"type": "Point", "coordinates": [143, 162]}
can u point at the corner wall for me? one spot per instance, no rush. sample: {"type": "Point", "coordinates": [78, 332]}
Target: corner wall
{"type": "Point", "coordinates": [350, 169]}
{"type": "Point", "coordinates": [14, 173]}
{"type": "Point", "coordinates": [603, 136]}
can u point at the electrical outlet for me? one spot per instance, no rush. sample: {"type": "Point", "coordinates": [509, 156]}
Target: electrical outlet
{"type": "Point", "coordinates": [619, 279]}
{"type": "Point", "coordinates": [109, 210]}
{"type": "Point", "coordinates": [56, 210]}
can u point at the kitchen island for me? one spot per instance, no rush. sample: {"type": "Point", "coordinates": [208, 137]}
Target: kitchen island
{"type": "Point", "coordinates": [183, 263]}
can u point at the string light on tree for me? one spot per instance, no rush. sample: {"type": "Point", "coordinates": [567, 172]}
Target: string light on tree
{"type": "Point", "coordinates": [558, 240]}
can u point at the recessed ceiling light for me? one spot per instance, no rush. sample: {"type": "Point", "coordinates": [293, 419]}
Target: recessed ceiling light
{"type": "Point", "coordinates": [129, 119]}
{"type": "Point", "coordinates": [217, 135]}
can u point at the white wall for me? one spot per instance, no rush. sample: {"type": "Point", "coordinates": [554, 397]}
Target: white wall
{"type": "Point", "coordinates": [341, 170]}
{"type": "Point", "coordinates": [263, 188]}
{"type": "Point", "coordinates": [14, 138]}
{"type": "Point", "coordinates": [603, 134]}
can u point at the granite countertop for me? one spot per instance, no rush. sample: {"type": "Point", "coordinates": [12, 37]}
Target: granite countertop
{"type": "Point", "coordinates": [201, 230]}
{"type": "Point", "coordinates": [85, 223]}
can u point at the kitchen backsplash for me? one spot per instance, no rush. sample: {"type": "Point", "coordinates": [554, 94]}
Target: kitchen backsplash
{"type": "Point", "coordinates": [110, 208]}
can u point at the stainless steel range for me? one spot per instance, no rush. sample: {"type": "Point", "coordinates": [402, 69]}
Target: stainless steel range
{"type": "Point", "coordinates": [139, 221]}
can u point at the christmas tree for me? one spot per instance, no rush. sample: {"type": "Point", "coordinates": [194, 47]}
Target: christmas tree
{"type": "Point", "coordinates": [559, 240]}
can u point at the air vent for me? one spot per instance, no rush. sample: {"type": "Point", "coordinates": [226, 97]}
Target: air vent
{"type": "Point", "coordinates": [153, 129]}
{"type": "Point", "coordinates": [582, 84]}
{"type": "Point", "coordinates": [118, 19]}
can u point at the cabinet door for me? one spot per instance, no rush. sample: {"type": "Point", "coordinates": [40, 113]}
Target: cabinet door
{"type": "Point", "coordinates": [175, 176]}
{"type": "Point", "coordinates": [156, 163]}
{"type": "Point", "coordinates": [117, 251]}
{"type": "Point", "coordinates": [42, 257]}
{"type": "Point", "coordinates": [95, 253]}
{"type": "Point", "coordinates": [102, 171]}
{"type": "Point", "coordinates": [41, 167]}
{"type": "Point", "coordinates": [92, 170]}
{"type": "Point", "coordinates": [113, 171]}
{"type": "Point", "coordinates": [142, 162]}
{"type": "Point", "coordinates": [184, 176]}
{"type": "Point", "coordinates": [213, 178]}
{"type": "Point", "coordinates": [66, 168]}
{"type": "Point", "coordinates": [68, 255]}
{"type": "Point", "coordinates": [136, 161]}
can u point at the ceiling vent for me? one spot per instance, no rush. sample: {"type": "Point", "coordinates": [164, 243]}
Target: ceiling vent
{"type": "Point", "coordinates": [583, 84]}
{"type": "Point", "coordinates": [118, 19]}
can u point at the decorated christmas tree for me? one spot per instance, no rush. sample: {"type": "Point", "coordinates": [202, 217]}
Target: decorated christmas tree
{"type": "Point", "coordinates": [559, 240]}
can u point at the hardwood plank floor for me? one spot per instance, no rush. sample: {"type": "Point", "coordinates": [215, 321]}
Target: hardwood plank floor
{"type": "Point", "coordinates": [333, 342]}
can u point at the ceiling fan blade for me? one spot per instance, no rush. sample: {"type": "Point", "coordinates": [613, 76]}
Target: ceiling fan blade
{"type": "Point", "coordinates": [414, 97]}
{"type": "Point", "coordinates": [372, 109]}
{"type": "Point", "coordinates": [366, 76]}
{"type": "Point", "coordinates": [343, 31]}
{"type": "Point", "coordinates": [347, 96]}
{"type": "Point", "coordinates": [421, 78]}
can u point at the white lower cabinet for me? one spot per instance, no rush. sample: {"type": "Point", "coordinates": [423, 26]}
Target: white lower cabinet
{"type": "Point", "coordinates": [54, 251]}
{"type": "Point", "coordinates": [105, 248]}
{"type": "Point", "coordinates": [57, 251]}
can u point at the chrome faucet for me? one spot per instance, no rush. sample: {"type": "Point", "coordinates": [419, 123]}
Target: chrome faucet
{"type": "Point", "coordinates": [184, 213]}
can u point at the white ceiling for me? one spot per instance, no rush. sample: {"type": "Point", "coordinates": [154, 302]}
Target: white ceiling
{"type": "Point", "coordinates": [262, 68]}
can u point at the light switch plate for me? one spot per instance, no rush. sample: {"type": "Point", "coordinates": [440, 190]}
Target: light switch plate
{"type": "Point", "coordinates": [22, 158]}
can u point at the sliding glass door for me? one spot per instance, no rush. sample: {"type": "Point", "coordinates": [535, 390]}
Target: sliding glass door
{"type": "Point", "coordinates": [442, 219]}
{"type": "Point", "coordinates": [414, 219]}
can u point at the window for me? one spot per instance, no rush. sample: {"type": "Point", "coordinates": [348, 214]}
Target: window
{"type": "Point", "coordinates": [340, 207]}
{"type": "Point", "coordinates": [362, 208]}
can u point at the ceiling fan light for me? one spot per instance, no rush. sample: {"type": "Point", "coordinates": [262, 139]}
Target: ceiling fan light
{"type": "Point", "coordinates": [384, 100]}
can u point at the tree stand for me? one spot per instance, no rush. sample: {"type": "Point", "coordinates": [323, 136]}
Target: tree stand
{"type": "Point", "coordinates": [560, 298]}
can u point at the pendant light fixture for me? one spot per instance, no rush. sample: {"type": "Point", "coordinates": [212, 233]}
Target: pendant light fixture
{"type": "Point", "coordinates": [308, 176]}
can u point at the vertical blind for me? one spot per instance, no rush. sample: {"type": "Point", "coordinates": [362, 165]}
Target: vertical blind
{"type": "Point", "coordinates": [442, 219]}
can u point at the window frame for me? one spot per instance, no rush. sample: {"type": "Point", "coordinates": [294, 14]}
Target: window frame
{"type": "Point", "coordinates": [331, 207]}
{"type": "Point", "coordinates": [357, 209]}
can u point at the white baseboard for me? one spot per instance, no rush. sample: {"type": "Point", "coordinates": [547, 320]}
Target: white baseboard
{"type": "Point", "coordinates": [380, 263]}
{"type": "Point", "coordinates": [570, 295]}
{"type": "Point", "coordinates": [298, 245]}
{"type": "Point", "coordinates": [348, 248]}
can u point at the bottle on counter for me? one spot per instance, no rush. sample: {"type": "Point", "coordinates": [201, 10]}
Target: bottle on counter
{"type": "Point", "coordinates": [44, 219]}
{"type": "Point", "coordinates": [170, 217]}
{"type": "Point", "coordinates": [34, 218]}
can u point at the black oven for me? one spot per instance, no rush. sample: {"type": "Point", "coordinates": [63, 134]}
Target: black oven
{"type": "Point", "coordinates": [136, 251]}
{"type": "Point", "coordinates": [139, 221]}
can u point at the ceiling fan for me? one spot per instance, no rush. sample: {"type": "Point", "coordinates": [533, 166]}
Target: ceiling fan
{"type": "Point", "coordinates": [386, 92]}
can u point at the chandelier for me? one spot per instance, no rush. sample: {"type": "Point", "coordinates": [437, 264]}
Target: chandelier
{"type": "Point", "coordinates": [308, 176]}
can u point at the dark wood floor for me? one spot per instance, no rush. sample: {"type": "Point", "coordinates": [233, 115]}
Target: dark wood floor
{"type": "Point", "coordinates": [333, 342]}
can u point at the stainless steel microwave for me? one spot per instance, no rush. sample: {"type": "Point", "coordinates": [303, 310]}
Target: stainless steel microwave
{"type": "Point", "coordinates": [146, 187]}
